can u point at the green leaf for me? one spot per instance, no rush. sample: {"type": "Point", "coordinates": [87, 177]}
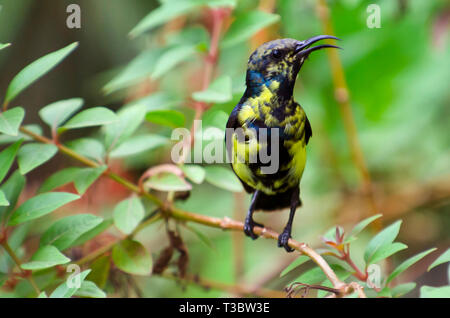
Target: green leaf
{"type": "Point", "coordinates": [162, 14]}
{"type": "Point", "coordinates": [11, 189]}
{"type": "Point", "coordinates": [129, 120]}
{"type": "Point", "coordinates": [66, 291]}
{"type": "Point", "coordinates": [138, 69]}
{"type": "Point", "coordinates": [41, 205]}
{"type": "Point", "coordinates": [221, 3]}
{"type": "Point", "coordinates": [402, 289]}
{"type": "Point", "coordinates": [359, 227]}
{"type": "Point", "coordinates": [58, 112]}
{"type": "Point", "coordinates": [172, 9]}
{"type": "Point", "coordinates": [443, 258]}
{"type": "Point", "coordinates": [59, 179]}
{"type": "Point", "coordinates": [246, 25]}
{"type": "Point", "coordinates": [408, 263]}
{"type": "Point", "coordinates": [296, 263]}
{"type": "Point", "coordinates": [95, 116]}
{"type": "Point", "coordinates": [138, 144]}
{"type": "Point", "coordinates": [10, 121]}
{"type": "Point", "coordinates": [223, 178]}
{"type": "Point", "coordinates": [435, 292]}
{"type": "Point", "coordinates": [385, 292]}
{"type": "Point", "coordinates": [313, 276]}
{"type": "Point", "coordinates": [386, 250]}
{"type": "Point", "coordinates": [86, 236]}
{"type": "Point", "coordinates": [7, 157]}
{"type": "Point", "coordinates": [4, 45]}
{"type": "Point", "coordinates": [157, 101]}
{"type": "Point", "coordinates": [86, 177]}
{"type": "Point", "coordinates": [3, 200]}
{"type": "Point", "coordinates": [88, 147]}
{"type": "Point", "coordinates": [167, 182]}
{"type": "Point", "coordinates": [45, 257]}
{"type": "Point", "coordinates": [171, 58]}
{"type": "Point", "coordinates": [3, 278]}
{"type": "Point", "coordinates": [195, 173]}
{"type": "Point", "coordinates": [100, 271]}
{"type": "Point", "coordinates": [82, 178]}
{"type": "Point", "coordinates": [171, 118]}
{"type": "Point", "coordinates": [33, 155]}
{"type": "Point", "coordinates": [128, 214]}
{"type": "Point", "coordinates": [385, 237]}
{"type": "Point", "coordinates": [42, 295]}
{"type": "Point", "coordinates": [19, 235]}
{"type": "Point", "coordinates": [35, 70]}
{"type": "Point", "coordinates": [218, 92]}
{"type": "Point", "coordinates": [64, 232]}
{"type": "Point", "coordinates": [131, 257]}
{"type": "Point", "coordinates": [8, 139]}
{"type": "Point", "coordinates": [89, 289]}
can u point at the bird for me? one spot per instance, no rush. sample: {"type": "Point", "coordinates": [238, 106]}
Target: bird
{"type": "Point", "coordinates": [267, 108]}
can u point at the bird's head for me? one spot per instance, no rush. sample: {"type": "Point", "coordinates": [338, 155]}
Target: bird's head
{"type": "Point", "coordinates": [275, 64]}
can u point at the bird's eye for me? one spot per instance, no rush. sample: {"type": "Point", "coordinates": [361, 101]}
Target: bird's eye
{"type": "Point", "coordinates": [276, 54]}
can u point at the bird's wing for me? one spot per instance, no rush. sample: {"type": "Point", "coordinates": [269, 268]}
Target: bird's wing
{"type": "Point", "coordinates": [308, 130]}
{"type": "Point", "coordinates": [232, 123]}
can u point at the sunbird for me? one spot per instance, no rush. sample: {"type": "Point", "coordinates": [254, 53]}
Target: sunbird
{"type": "Point", "coordinates": [268, 103]}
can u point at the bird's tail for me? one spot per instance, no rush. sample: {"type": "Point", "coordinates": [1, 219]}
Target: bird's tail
{"type": "Point", "coordinates": [275, 202]}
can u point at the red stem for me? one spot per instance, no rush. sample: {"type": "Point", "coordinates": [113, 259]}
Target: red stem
{"type": "Point", "coordinates": [358, 274]}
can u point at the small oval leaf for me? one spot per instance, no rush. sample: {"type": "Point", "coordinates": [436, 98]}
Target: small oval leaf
{"type": "Point", "coordinates": [223, 178]}
{"type": "Point", "coordinates": [170, 118]}
{"type": "Point", "coordinates": [10, 121]}
{"type": "Point", "coordinates": [41, 205]}
{"type": "Point", "coordinates": [127, 214]}
{"type": "Point", "coordinates": [132, 257]}
{"type": "Point", "coordinates": [58, 112]}
{"type": "Point", "coordinates": [33, 155]}
{"type": "Point", "coordinates": [64, 232]}
{"type": "Point", "coordinates": [45, 257]}
{"type": "Point", "coordinates": [95, 116]}
{"type": "Point", "coordinates": [35, 70]}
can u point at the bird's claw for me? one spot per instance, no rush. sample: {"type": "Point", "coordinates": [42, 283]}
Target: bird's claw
{"type": "Point", "coordinates": [283, 240]}
{"type": "Point", "coordinates": [249, 224]}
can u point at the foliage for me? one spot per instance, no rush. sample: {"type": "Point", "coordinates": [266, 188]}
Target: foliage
{"type": "Point", "coordinates": [109, 242]}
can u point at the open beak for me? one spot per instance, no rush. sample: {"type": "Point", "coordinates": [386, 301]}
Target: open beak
{"type": "Point", "coordinates": [303, 48]}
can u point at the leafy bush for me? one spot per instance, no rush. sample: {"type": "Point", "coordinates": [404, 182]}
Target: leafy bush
{"type": "Point", "coordinates": [198, 68]}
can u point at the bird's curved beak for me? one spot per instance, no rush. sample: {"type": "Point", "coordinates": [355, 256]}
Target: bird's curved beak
{"type": "Point", "coordinates": [303, 47]}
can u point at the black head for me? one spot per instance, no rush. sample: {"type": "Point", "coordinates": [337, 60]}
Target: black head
{"type": "Point", "coordinates": [275, 64]}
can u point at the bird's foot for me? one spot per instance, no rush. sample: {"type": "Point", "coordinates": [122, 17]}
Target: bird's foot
{"type": "Point", "coordinates": [283, 240]}
{"type": "Point", "coordinates": [249, 224]}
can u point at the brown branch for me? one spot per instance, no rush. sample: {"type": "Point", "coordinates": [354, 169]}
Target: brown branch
{"type": "Point", "coordinates": [229, 224]}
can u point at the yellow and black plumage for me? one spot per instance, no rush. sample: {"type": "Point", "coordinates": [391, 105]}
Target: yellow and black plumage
{"type": "Point", "coordinates": [268, 103]}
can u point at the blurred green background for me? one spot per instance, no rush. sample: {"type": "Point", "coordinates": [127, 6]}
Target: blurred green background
{"type": "Point", "coordinates": [399, 83]}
